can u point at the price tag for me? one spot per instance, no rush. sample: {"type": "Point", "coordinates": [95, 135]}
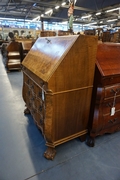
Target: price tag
{"type": "Point", "coordinates": [112, 111]}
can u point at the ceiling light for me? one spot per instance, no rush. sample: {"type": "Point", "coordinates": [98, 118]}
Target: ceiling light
{"type": "Point", "coordinates": [83, 17]}
{"type": "Point", "coordinates": [112, 20]}
{"type": "Point", "coordinates": [50, 11]}
{"type": "Point", "coordinates": [36, 19]}
{"type": "Point", "coordinates": [112, 9]}
{"type": "Point", "coordinates": [98, 13]}
{"type": "Point", "coordinates": [64, 3]}
{"type": "Point", "coordinates": [57, 7]}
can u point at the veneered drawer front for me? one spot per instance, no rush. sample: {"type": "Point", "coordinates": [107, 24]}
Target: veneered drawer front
{"type": "Point", "coordinates": [107, 105]}
{"type": "Point", "coordinates": [111, 91]}
{"type": "Point", "coordinates": [110, 80]}
{"type": "Point", "coordinates": [109, 121]}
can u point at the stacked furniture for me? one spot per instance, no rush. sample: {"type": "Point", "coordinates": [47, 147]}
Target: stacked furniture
{"type": "Point", "coordinates": [58, 77]}
{"type": "Point", "coordinates": [13, 56]}
{"type": "Point", "coordinates": [105, 104]}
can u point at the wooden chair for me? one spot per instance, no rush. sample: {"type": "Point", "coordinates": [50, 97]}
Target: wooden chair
{"type": "Point", "coordinates": [13, 56]}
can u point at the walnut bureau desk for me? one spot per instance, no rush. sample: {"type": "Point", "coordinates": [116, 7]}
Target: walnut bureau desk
{"type": "Point", "coordinates": [58, 75]}
{"type": "Point", "coordinates": [105, 104]}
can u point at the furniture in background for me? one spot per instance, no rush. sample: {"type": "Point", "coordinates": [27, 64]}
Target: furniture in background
{"type": "Point", "coordinates": [47, 33]}
{"type": "Point", "coordinates": [105, 104]}
{"type": "Point", "coordinates": [106, 36]}
{"type": "Point", "coordinates": [26, 46]}
{"type": "Point", "coordinates": [63, 33]}
{"type": "Point", "coordinates": [13, 56]}
{"type": "Point", "coordinates": [58, 77]}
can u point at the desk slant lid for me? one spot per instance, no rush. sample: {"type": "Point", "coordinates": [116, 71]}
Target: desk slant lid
{"type": "Point", "coordinates": [48, 52]}
{"type": "Point", "coordinates": [108, 59]}
{"type": "Point", "coordinates": [46, 55]}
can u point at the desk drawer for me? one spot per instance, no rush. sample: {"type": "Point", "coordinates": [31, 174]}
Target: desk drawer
{"type": "Point", "coordinates": [110, 91]}
{"type": "Point", "coordinates": [107, 105]}
{"type": "Point", "coordinates": [109, 121]}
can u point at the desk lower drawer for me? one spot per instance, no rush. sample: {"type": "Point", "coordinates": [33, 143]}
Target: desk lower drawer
{"type": "Point", "coordinates": [106, 106]}
{"type": "Point", "coordinates": [109, 121]}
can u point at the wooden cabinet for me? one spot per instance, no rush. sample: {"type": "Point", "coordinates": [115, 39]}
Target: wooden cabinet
{"type": "Point", "coordinates": [57, 87]}
{"type": "Point", "coordinates": [105, 104]}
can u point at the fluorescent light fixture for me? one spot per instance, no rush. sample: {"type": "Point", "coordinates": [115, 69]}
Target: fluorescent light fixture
{"type": "Point", "coordinates": [50, 11]}
{"type": "Point", "coordinates": [112, 20]}
{"type": "Point", "coordinates": [36, 19]}
{"type": "Point", "coordinates": [57, 7]}
{"type": "Point", "coordinates": [83, 17]}
{"type": "Point", "coordinates": [64, 3]}
{"type": "Point", "coordinates": [98, 13]}
{"type": "Point", "coordinates": [42, 15]}
{"type": "Point", "coordinates": [110, 10]}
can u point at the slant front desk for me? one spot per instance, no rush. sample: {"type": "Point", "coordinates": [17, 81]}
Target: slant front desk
{"type": "Point", "coordinates": [57, 86]}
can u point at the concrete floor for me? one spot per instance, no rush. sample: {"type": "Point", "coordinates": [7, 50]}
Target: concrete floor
{"type": "Point", "coordinates": [22, 145]}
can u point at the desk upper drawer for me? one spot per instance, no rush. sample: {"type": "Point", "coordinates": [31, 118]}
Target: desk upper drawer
{"type": "Point", "coordinates": [111, 91]}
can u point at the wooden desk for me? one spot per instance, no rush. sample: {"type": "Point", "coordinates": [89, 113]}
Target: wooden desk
{"type": "Point", "coordinates": [57, 86]}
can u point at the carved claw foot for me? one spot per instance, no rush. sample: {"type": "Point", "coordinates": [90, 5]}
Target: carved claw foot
{"type": "Point", "coordinates": [26, 111]}
{"type": "Point", "coordinates": [50, 153]}
{"type": "Point", "coordinates": [90, 141]}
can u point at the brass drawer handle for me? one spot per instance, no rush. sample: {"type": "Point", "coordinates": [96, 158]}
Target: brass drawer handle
{"type": "Point", "coordinates": [112, 91]}
{"type": "Point", "coordinates": [109, 105]}
{"type": "Point", "coordinates": [113, 121]}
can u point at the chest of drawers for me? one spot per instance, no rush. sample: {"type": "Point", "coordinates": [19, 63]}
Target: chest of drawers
{"type": "Point", "coordinates": [57, 87]}
{"type": "Point", "coordinates": [105, 104]}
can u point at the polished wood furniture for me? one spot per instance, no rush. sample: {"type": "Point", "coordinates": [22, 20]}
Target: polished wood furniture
{"type": "Point", "coordinates": [106, 36]}
{"type": "Point", "coordinates": [26, 46]}
{"type": "Point", "coordinates": [57, 86]}
{"type": "Point", "coordinates": [115, 37]}
{"type": "Point", "coordinates": [63, 33]}
{"type": "Point", "coordinates": [47, 33]}
{"type": "Point", "coordinates": [13, 56]}
{"type": "Point", "coordinates": [105, 104]}
{"type": "Point", "coordinates": [89, 32]}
